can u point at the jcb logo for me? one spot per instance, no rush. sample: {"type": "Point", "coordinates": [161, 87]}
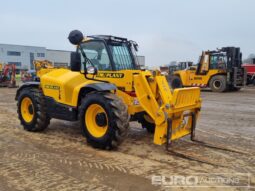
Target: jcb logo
{"type": "Point", "coordinates": [110, 75]}
{"type": "Point", "coordinates": [52, 87]}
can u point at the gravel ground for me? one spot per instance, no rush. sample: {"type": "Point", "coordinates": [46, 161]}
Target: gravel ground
{"type": "Point", "coordinates": [60, 159]}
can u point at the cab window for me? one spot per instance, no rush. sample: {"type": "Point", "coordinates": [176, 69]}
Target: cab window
{"type": "Point", "coordinates": [218, 61]}
{"type": "Point", "coordinates": [96, 52]}
{"type": "Point", "coordinates": [121, 56]}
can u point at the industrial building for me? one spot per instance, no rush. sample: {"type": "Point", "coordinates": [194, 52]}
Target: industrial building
{"type": "Point", "coordinates": [23, 56]}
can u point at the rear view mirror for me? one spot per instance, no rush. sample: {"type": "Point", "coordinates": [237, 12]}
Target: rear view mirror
{"type": "Point", "coordinates": [75, 62]}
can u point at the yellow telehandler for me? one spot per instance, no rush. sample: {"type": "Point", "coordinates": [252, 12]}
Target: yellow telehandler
{"type": "Point", "coordinates": [104, 90]}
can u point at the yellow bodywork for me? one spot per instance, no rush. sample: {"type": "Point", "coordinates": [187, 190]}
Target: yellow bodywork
{"type": "Point", "coordinates": [152, 94]}
{"type": "Point", "coordinates": [190, 78]}
{"type": "Point", "coordinates": [199, 76]}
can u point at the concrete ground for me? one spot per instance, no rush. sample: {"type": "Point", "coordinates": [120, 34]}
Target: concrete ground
{"type": "Point", "coordinates": [60, 159]}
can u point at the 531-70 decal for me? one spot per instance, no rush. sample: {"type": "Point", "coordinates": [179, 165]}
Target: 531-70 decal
{"type": "Point", "coordinates": [52, 87]}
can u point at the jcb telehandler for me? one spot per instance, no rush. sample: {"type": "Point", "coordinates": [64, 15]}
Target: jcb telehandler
{"type": "Point", "coordinates": [104, 90]}
{"type": "Point", "coordinates": [220, 70]}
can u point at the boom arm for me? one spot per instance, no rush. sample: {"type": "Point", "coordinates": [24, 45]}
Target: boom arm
{"type": "Point", "coordinates": [172, 112]}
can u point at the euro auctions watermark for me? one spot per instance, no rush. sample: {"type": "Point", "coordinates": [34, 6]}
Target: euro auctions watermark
{"type": "Point", "coordinates": [204, 180]}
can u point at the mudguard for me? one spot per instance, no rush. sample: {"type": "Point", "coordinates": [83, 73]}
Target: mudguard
{"type": "Point", "coordinates": [101, 86]}
{"type": "Point", "coordinates": [25, 85]}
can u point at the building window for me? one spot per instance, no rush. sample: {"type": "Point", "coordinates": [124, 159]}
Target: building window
{"type": "Point", "coordinates": [40, 55]}
{"type": "Point", "coordinates": [13, 53]}
{"type": "Point", "coordinates": [18, 64]}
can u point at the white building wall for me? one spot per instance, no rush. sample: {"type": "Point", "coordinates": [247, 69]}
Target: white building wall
{"type": "Point", "coordinates": [58, 57]}
{"type": "Point", "coordinates": [26, 55]}
{"type": "Point", "coordinates": [141, 60]}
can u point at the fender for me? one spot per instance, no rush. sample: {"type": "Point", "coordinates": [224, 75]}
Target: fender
{"type": "Point", "coordinates": [70, 113]}
{"type": "Point", "coordinates": [25, 85]}
{"type": "Point", "coordinates": [101, 86]}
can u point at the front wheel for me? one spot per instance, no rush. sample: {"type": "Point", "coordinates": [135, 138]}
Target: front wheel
{"type": "Point", "coordinates": [32, 110]}
{"type": "Point", "coordinates": [146, 122]}
{"type": "Point", "coordinates": [104, 119]}
{"type": "Point", "coordinates": [218, 83]}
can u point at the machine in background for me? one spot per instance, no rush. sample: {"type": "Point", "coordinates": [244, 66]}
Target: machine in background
{"type": "Point", "coordinates": [7, 75]}
{"type": "Point", "coordinates": [220, 70]}
{"type": "Point", "coordinates": [250, 68]}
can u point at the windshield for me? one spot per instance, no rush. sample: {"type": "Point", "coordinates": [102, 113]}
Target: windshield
{"type": "Point", "coordinates": [96, 52]}
{"type": "Point", "coordinates": [218, 61]}
{"type": "Point", "coordinates": [121, 56]}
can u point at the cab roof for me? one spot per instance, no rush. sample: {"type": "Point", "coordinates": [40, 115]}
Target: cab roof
{"type": "Point", "coordinates": [108, 38]}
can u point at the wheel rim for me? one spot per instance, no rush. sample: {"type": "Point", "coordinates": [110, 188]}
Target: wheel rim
{"type": "Point", "coordinates": [27, 109]}
{"type": "Point", "coordinates": [217, 84]}
{"type": "Point", "coordinates": [96, 120]}
{"type": "Point", "coordinates": [148, 118]}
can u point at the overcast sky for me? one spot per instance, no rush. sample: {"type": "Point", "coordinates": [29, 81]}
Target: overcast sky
{"type": "Point", "coordinates": [165, 30]}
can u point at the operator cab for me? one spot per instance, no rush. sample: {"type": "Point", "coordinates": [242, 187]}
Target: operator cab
{"type": "Point", "coordinates": [225, 59]}
{"type": "Point", "coordinates": [218, 61]}
{"type": "Point", "coordinates": [103, 53]}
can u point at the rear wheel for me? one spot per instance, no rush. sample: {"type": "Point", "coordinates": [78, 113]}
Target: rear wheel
{"type": "Point", "coordinates": [32, 110]}
{"type": "Point", "coordinates": [104, 119]}
{"type": "Point", "coordinates": [146, 122]}
{"type": "Point", "coordinates": [176, 82]}
{"type": "Point", "coordinates": [218, 83]}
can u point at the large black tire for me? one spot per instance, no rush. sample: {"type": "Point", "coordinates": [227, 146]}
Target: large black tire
{"type": "Point", "coordinates": [40, 119]}
{"type": "Point", "coordinates": [117, 119]}
{"type": "Point", "coordinates": [146, 124]}
{"type": "Point", "coordinates": [175, 82]}
{"type": "Point", "coordinates": [218, 83]}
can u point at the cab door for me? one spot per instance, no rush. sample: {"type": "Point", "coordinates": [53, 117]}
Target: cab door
{"type": "Point", "coordinates": [198, 77]}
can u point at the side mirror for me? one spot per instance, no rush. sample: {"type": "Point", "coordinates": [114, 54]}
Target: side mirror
{"type": "Point", "coordinates": [91, 70]}
{"type": "Point", "coordinates": [75, 62]}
